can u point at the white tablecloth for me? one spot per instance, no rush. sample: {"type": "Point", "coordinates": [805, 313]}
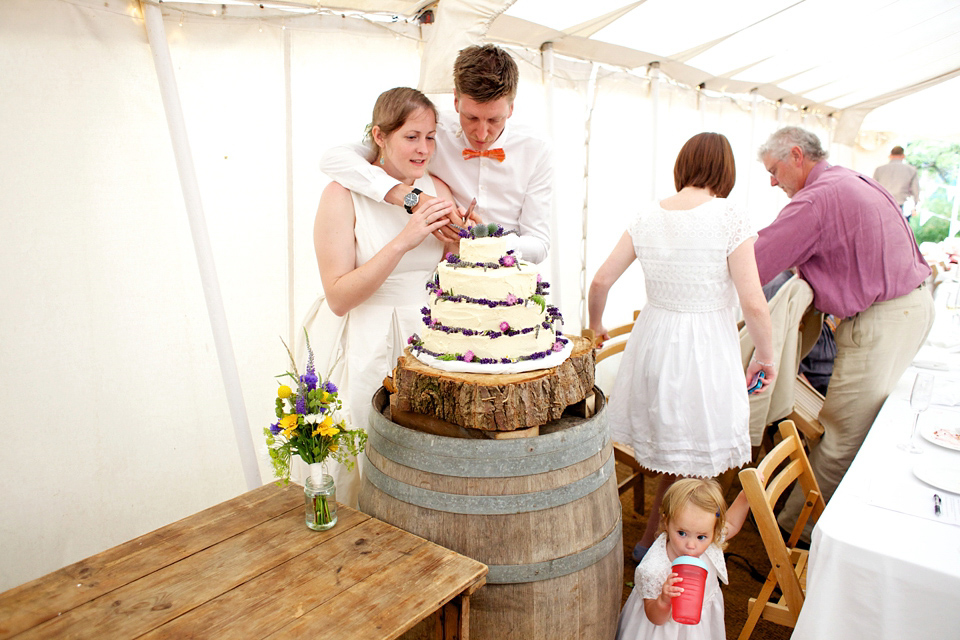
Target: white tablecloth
{"type": "Point", "coordinates": [882, 565]}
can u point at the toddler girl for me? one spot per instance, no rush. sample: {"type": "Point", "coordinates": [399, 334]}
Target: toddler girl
{"type": "Point", "coordinates": [695, 522]}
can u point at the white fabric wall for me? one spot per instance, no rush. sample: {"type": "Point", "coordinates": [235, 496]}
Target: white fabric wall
{"type": "Point", "coordinates": [112, 407]}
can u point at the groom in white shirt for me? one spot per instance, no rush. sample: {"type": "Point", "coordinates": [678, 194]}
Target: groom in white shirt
{"type": "Point", "coordinates": [507, 168]}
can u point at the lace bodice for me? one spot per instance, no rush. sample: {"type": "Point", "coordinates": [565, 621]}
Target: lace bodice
{"type": "Point", "coordinates": [684, 254]}
{"type": "Point", "coordinates": [652, 572]}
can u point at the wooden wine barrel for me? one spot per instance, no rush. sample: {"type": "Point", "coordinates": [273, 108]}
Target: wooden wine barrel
{"type": "Point", "coordinates": [542, 513]}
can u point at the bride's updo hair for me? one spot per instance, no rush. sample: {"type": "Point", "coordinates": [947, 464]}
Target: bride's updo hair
{"type": "Point", "coordinates": [706, 161]}
{"type": "Point", "coordinates": [393, 107]}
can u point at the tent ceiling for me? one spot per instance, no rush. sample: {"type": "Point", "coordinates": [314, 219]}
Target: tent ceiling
{"type": "Point", "coordinates": [828, 55]}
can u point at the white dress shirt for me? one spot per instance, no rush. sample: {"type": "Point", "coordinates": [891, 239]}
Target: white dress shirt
{"type": "Point", "coordinates": [515, 193]}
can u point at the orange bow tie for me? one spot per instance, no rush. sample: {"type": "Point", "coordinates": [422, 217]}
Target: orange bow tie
{"type": "Point", "coordinates": [496, 154]}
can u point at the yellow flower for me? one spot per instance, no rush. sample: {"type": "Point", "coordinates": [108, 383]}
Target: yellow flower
{"type": "Point", "coordinates": [284, 391]}
{"type": "Point", "coordinates": [334, 447]}
{"type": "Point", "coordinates": [326, 428]}
{"type": "Point", "coordinates": [288, 424]}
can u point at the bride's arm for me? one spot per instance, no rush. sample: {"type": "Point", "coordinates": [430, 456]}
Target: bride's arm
{"type": "Point", "coordinates": [346, 285]}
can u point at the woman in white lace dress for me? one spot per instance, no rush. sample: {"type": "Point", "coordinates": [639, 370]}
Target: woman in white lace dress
{"type": "Point", "coordinates": [375, 260]}
{"type": "Point", "coordinates": [680, 396]}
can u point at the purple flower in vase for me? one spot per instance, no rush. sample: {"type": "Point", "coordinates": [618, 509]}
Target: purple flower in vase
{"type": "Point", "coordinates": [275, 428]}
{"type": "Point", "coordinates": [310, 380]}
{"type": "Point", "coordinates": [301, 405]}
{"type": "Point", "coordinates": [329, 387]}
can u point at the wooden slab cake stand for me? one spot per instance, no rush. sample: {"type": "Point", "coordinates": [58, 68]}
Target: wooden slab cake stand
{"type": "Point", "coordinates": [497, 405]}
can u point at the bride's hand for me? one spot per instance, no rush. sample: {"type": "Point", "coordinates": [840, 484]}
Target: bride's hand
{"type": "Point", "coordinates": [425, 221]}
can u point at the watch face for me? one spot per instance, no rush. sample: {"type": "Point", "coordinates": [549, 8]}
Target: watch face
{"type": "Point", "coordinates": [411, 199]}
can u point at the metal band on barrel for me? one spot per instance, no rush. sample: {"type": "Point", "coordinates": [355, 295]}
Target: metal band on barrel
{"type": "Point", "coordinates": [515, 573]}
{"type": "Point", "coordinates": [489, 505]}
{"type": "Point", "coordinates": [487, 458]}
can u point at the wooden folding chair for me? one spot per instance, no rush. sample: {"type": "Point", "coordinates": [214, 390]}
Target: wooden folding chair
{"type": "Point", "coordinates": [622, 452]}
{"type": "Point", "coordinates": [785, 464]}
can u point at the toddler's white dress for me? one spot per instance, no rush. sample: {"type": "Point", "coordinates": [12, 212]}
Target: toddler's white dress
{"type": "Point", "coordinates": [648, 582]}
{"type": "Point", "coordinates": [680, 398]}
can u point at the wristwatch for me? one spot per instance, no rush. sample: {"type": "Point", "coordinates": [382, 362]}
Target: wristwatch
{"type": "Point", "coordinates": [411, 200]}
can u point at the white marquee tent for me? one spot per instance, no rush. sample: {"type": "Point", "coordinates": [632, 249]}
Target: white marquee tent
{"type": "Point", "coordinates": [140, 141]}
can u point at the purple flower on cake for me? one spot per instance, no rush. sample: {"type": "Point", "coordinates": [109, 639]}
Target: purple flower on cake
{"type": "Point", "coordinates": [511, 299]}
{"type": "Point", "coordinates": [468, 356]}
{"type": "Point", "coordinates": [539, 278]}
{"type": "Point", "coordinates": [508, 261]}
{"type": "Point", "coordinates": [558, 346]}
{"type": "Point", "coordinates": [504, 326]}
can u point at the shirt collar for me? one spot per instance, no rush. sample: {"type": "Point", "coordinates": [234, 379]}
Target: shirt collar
{"type": "Point", "coordinates": [818, 169]}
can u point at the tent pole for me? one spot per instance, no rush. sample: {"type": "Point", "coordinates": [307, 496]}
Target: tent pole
{"type": "Point", "coordinates": [153, 19]}
{"type": "Point", "coordinates": [655, 122]}
{"type": "Point", "coordinates": [584, 218]}
{"type": "Point", "coordinates": [546, 52]}
{"type": "Point", "coordinates": [754, 105]}
{"type": "Point", "coordinates": [288, 143]}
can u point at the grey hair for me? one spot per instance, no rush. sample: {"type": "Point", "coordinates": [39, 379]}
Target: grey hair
{"type": "Point", "coordinates": [782, 140]}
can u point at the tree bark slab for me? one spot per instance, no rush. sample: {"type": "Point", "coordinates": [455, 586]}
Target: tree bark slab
{"type": "Point", "coordinates": [495, 402]}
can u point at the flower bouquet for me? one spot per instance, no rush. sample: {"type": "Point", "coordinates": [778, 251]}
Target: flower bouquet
{"type": "Point", "coordinates": [308, 426]}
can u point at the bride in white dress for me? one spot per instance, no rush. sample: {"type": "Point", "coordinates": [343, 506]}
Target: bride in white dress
{"type": "Point", "coordinates": [375, 260]}
{"type": "Point", "coordinates": [680, 397]}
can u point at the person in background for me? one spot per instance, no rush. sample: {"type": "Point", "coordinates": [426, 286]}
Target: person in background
{"type": "Point", "coordinates": [900, 179]}
{"type": "Point", "coordinates": [680, 397]}
{"type": "Point", "coordinates": [507, 168]}
{"type": "Point", "coordinates": [375, 261]}
{"type": "Point", "coordinates": [695, 521]}
{"type": "Point", "coordinates": [846, 237]}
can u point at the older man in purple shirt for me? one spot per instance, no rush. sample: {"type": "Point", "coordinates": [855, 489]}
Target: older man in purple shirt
{"type": "Point", "coordinates": [848, 239]}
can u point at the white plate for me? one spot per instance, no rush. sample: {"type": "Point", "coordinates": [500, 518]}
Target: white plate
{"type": "Point", "coordinates": [927, 431]}
{"type": "Point", "coordinates": [939, 476]}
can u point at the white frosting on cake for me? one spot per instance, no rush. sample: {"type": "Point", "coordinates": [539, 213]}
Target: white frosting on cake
{"type": "Point", "coordinates": [483, 249]}
{"type": "Point", "coordinates": [492, 284]}
{"type": "Point", "coordinates": [471, 302]}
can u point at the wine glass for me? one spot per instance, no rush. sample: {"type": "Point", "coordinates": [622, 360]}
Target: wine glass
{"type": "Point", "coordinates": [920, 397]}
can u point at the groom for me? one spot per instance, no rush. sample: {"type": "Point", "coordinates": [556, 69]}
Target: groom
{"type": "Point", "coordinates": [507, 168]}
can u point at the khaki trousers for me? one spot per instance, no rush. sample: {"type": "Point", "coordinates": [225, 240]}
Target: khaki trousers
{"type": "Point", "coordinates": [874, 348]}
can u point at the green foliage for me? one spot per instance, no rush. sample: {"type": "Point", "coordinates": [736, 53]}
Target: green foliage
{"type": "Point", "coordinates": [937, 163]}
{"type": "Point", "coordinates": [935, 158]}
{"type": "Point", "coordinates": [539, 300]}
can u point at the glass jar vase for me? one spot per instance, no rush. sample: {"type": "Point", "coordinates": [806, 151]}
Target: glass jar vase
{"type": "Point", "coordinates": [320, 495]}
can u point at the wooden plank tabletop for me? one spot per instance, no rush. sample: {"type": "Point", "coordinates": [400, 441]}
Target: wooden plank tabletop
{"type": "Point", "coordinates": [247, 568]}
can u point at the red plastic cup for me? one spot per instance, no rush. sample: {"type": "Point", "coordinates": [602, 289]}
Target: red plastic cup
{"type": "Point", "coordinates": [688, 605]}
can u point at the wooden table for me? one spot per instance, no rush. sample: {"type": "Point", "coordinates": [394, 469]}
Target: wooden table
{"type": "Point", "coordinates": [250, 568]}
